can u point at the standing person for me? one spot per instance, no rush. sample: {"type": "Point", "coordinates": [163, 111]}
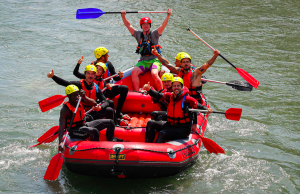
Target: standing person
{"type": "Point", "coordinates": [80, 128]}
{"type": "Point", "coordinates": [113, 90]}
{"type": "Point", "coordinates": [179, 120]}
{"type": "Point", "coordinates": [92, 91]}
{"type": "Point", "coordinates": [146, 40]}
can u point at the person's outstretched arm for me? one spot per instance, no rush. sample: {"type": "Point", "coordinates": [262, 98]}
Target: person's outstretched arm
{"type": "Point", "coordinates": [76, 70]}
{"type": "Point", "coordinates": [161, 28]}
{"type": "Point", "coordinates": [127, 23]}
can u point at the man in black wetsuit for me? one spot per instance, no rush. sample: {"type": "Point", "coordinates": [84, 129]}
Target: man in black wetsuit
{"type": "Point", "coordinates": [92, 91]}
{"type": "Point", "coordinates": [113, 91]}
{"type": "Point", "coordinates": [80, 128]}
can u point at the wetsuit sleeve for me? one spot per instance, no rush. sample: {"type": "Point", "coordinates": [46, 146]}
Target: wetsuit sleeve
{"type": "Point", "coordinates": [102, 99]}
{"type": "Point", "coordinates": [76, 72]}
{"type": "Point", "coordinates": [112, 71]}
{"type": "Point", "coordinates": [155, 94]}
{"type": "Point", "coordinates": [64, 114]}
{"type": "Point", "coordinates": [192, 102]}
{"type": "Point", "coordinates": [65, 83]}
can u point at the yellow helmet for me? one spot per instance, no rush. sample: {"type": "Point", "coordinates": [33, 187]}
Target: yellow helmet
{"type": "Point", "coordinates": [177, 79]}
{"type": "Point", "coordinates": [167, 77]}
{"type": "Point", "coordinates": [184, 56]}
{"type": "Point", "coordinates": [100, 51]}
{"type": "Point", "coordinates": [102, 65]}
{"type": "Point", "coordinates": [90, 68]}
{"type": "Point", "coordinates": [178, 56]}
{"type": "Point", "coordinates": [71, 89]}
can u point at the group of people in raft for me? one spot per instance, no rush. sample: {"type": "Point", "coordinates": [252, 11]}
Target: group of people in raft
{"type": "Point", "coordinates": [175, 93]}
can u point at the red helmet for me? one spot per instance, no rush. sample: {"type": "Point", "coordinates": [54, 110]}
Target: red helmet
{"type": "Point", "coordinates": [145, 20]}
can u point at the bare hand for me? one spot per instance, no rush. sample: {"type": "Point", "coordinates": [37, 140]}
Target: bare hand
{"type": "Point", "coordinates": [210, 110]}
{"type": "Point", "coordinates": [50, 74]}
{"type": "Point", "coordinates": [146, 87]}
{"type": "Point", "coordinates": [109, 86]}
{"type": "Point", "coordinates": [169, 12]}
{"type": "Point", "coordinates": [123, 13]}
{"type": "Point", "coordinates": [154, 52]}
{"type": "Point", "coordinates": [80, 60]}
{"type": "Point", "coordinates": [60, 147]}
{"type": "Point", "coordinates": [97, 108]}
{"type": "Point", "coordinates": [121, 74]}
{"type": "Point", "coordinates": [82, 94]}
{"type": "Point", "coordinates": [216, 52]}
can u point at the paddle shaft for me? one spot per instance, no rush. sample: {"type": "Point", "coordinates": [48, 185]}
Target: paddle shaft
{"type": "Point", "coordinates": [188, 29]}
{"type": "Point", "coordinates": [118, 12]}
{"type": "Point", "coordinates": [115, 75]}
{"type": "Point", "coordinates": [205, 111]}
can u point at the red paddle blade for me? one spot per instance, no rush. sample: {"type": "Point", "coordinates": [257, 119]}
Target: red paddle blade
{"type": "Point", "coordinates": [251, 80]}
{"type": "Point", "coordinates": [54, 167]}
{"type": "Point", "coordinates": [51, 102]}
{"type": "Point", "coordinates": [233, 114]}
{"type": "Point", "coordinates": [48, 134]}
{"type": "Point", "coordinates": [211, 146]}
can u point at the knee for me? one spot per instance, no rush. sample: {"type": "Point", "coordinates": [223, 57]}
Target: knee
{"type": "Point", "coordinates": [124, 89]}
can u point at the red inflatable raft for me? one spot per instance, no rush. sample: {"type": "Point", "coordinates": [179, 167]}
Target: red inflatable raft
{"type": "Point", "coordinates": [134, 158]}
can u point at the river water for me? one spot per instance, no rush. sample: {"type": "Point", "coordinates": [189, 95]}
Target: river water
{"type": "Point", "coordinates": [261, 37]}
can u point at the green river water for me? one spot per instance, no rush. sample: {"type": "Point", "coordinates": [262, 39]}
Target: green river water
{"type": "Point", "coordinates": [259, 36]}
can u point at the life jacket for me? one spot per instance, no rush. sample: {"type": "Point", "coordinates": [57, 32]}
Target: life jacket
{"type": "Point", "coordinates": [107, 73]}
{"type": "Point", "coordinates": [79, 119]}
{"type": "Point", "coordinates": [194, 91]}
{"type": "Point", "coordinates": [145, 46]}
{"type": "Point", "coordinates": [175, 111]}
{"type": "Point", "coordinates": [89, 93]}
{"type": "Point", "coordinates": [163, 104]}
{"type": "Point", "coordinates": [100, 83]}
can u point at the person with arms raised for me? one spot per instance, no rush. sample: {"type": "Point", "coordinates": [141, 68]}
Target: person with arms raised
{"type": "Point", "coordinates": [146, 40]}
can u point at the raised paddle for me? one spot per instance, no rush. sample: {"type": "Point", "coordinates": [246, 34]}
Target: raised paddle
{"type": "Point", "coordinates": [242, 72]}
{"type": "Point", "coordinates": [92, 13]}
{"type": "Point", "coordinates": [235, 84]}
{"type": "Point", "coordinates": [53, 102]}
{"type": "Point", "coordinates": [211, 146]}
{"type": "Point", "coordinates": [57, 161]}
{"type": "Point", "coordinates": [231, 113]}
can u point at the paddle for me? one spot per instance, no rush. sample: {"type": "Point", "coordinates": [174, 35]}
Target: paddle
{"type": "Point", "coordinates": [242, 72]}
{"type": "Point", "coordinates": [211, 146]}
{"type": "Point", "coordinates": [54, 101]}
{"type": "Point", "coordinates": [92, 13]}
{"type": "Point", "coordinates": [51, 102]}
{"type": "Point", "coordinates": [57, 161]}
{"type": "Point", "coordinates": [235, 84]}
{"type": "Point", "coordinates": [51, 134]}
{"type": "Point", "coordinates": [231, 113]}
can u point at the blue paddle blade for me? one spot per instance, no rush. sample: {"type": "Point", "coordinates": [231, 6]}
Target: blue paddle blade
{"type": "Point", "coordinates": [89, 13]}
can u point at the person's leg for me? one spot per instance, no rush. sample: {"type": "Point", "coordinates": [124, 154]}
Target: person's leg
{"type": "Point", "coordinates": [158, 115]}
{"type": "Point", "coordinates": [173, 132]}
{"type": "Point", "coordinates": [156, 78]}
{"type": "Point", "coordinates": [107, 124]}
{"type": "Point", "coordinates": [116, 90]}
{"type": "Point", "coordinates": [85, 132]}
{"type": "Point", "coordinates": [135, 78]}
{"type": "Point", "coordinates": [151, 127]}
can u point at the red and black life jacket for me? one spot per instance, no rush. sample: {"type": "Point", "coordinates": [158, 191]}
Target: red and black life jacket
{"type": "Point", "coordinates": [100, 83]}
{"type": "Point", "coordinates": [79, 119]}
{"type": "Point", "coordinates": [195, 91]}
{"type": "Point", "coordinates": [89, 93]}
{"type": "Point", "coordinates": [175, 113]}
{"type": "Point", "coordinates": [145, 46]}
